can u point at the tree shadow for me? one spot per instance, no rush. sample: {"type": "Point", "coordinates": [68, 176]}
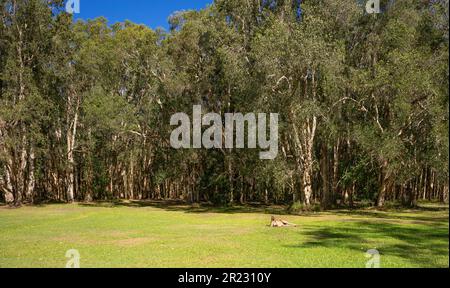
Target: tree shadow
{"type": "Point", "coordinates": [415, 244]}
{"type": "Point", "coordinates": [203, 208]}
{"type": "Point", "coordinates": [437, 208]}
{"type": "Point", "coordinates": [437, 219]}
{"type": "Point", "coordinates": [255, 208]}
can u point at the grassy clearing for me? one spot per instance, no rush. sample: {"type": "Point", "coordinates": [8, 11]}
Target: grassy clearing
{"type": "Point", "coordinates": [140, 234]}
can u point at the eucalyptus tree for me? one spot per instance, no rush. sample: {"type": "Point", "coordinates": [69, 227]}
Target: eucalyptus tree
{"type": "Point", "coordinates": [85, 107]}
{"type": "Point", "coordinates": [392, 84]}
{"type": "Point", "coordinates": [301, 60]}
{"type": "Point", "coordinates": [27, 28]}
{"type": "Point", "coordinates": [209, 59]}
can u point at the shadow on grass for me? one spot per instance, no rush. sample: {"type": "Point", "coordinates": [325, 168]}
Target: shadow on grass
{"type": "Point", "coordinates": [180, 206]}
{"type": "Point", "coordinates": [434, 208]}
{"type": "Point", "coordinates": [437, 219]}
{"type": "Point", "coordinates": [417, 244]}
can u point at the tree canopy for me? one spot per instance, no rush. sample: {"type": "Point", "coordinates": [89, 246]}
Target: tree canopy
{"type": "Point", "coordinates": [363, 102]}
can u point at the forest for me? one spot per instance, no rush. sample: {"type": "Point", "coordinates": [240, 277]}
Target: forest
{"type": "Point", "coordinates": [363, 103]}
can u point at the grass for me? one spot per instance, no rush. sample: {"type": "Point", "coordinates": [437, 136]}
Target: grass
{"type": "Point", "coordinates": [149, 234]}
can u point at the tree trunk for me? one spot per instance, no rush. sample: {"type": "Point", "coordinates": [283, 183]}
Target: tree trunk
{"type": "Point", "coordinates": [385, 178]}
{"type": "Point", "coordinates": [230, 179]}
{"type": "Point", "coordinates": [21, 174]}
{"type": "Point", "coordinates": [326, 199]}
{"type": "Point", "coordinates": [31, 182]}
{"type": "Point", "coordinates": [446, 194]}
{"type": "Point", "coordinates": [310, 131]}
{"type": "Point", "coordinates": [7, 186]}
{"type": "Point", "coordinates": [71, 136]}
{"type": "Point", "coordinates": [336, 159]}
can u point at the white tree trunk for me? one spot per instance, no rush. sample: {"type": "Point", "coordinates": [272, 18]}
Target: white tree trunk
{"type": "Point", "coordinates": [309, 136]}
{"type": "Point", "coordinates": [71, 137]}
{"type": "Point", "coordinates": [6, 187]}
{"type": "Point", "coordinates": [20, 173]}
{"type": "Point", "coordinates": [31, 178]}
{"type": "Point", "coordinates": [70, 173]}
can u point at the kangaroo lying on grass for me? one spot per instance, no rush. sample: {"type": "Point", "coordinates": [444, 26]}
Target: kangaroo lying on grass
{"type": "Point", "coordinates": [281, 223]}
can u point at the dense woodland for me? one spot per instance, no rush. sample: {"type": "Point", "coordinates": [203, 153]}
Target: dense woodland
{"type": "Point", "coordinates": [363, 101]}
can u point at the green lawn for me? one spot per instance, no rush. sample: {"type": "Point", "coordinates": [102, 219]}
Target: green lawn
{"type": "Point", "coordinates": [141, 234]}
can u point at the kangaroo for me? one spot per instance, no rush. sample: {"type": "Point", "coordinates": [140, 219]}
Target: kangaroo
{"type": "Point", "coordinates": [280, 223]}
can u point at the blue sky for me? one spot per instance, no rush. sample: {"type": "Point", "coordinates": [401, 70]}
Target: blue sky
{"type": "Point", "coordinates": [153, 13]}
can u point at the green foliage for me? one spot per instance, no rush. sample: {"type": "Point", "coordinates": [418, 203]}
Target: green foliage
{"type": "Point", "coordinates": [363, 102]}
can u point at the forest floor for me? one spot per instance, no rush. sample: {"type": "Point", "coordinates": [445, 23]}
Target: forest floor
{"type": "Point", "coordinates": [156, 234]}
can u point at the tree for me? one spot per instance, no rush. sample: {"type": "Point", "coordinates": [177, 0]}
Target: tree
{"type": "Point", "coordinates": [85, 107]}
